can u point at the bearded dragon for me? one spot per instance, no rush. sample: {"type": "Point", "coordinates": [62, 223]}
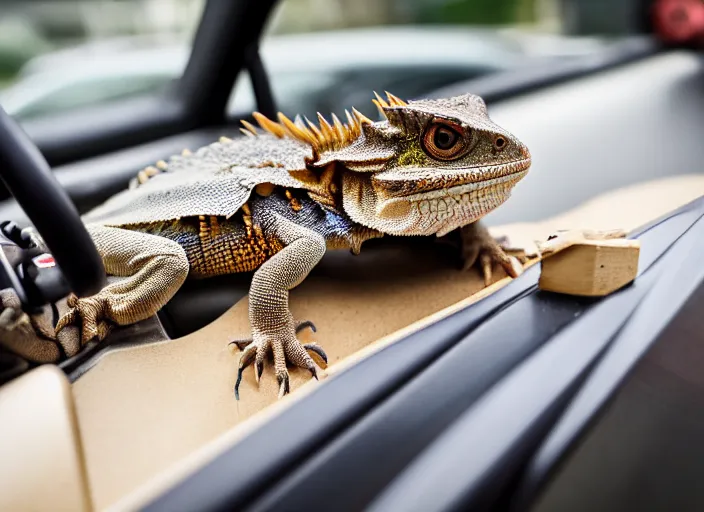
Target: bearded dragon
{"type": "Point", "coordinates": [274, 200]}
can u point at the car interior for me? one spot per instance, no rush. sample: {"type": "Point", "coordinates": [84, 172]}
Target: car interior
{"type": "Point", "coordinates": [441, 393]}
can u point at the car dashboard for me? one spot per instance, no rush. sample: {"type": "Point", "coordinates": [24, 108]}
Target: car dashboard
{"type": "Point", "coordinates": [440, 395]}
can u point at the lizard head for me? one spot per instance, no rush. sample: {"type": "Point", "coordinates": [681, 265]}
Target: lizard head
{"type": "Point", "coordinates": [427, 167]}
{"type": "Point", "coordinates": [430, 167]}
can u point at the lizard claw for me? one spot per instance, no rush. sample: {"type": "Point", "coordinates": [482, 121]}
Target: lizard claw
{"type": "Point", "coordinates": [90, 314]}
{"type": "Point", "coordinates": [245, 360]}
{"type": "Point", "coordinates": [305, 323]}
{"type": "Point", "coordinates": [479, 247]}
{"type": "Point", "coordinates": [285, 349]}
{"type": "Point", "coordinates": [284, 385]}
{"type": "Point", "coordinates": [317, 354]}
{"type": "Point", "coordinates": [243, 343]}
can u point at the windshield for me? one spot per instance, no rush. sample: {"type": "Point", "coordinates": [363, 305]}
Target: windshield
{"type": "Point", "coordinates": [321, 56]}
{"type": "Point", "coordinates": [328, 56]}
{"type": "Point", "coordinates": [63, 55]}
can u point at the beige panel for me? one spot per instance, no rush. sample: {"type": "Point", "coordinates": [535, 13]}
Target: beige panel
{"type": "Point", "coordinates": [626, 208]}
{"type": "Point", "coordinates": [41, 466]}
{"type": "Point", "coordinates": [143, 409]}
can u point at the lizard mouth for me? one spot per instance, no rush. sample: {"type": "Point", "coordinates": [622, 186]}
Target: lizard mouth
{"type": "Point", "coordinates": [441, 210]}
{"type": "Point", "coordinates": [446, 210]}
{"type": "Point", "coordinates": [453, 182]}
{"type": "Point", "coordinates": [438, 210]}
{"type": "Point", "coordinates": [492, 177]}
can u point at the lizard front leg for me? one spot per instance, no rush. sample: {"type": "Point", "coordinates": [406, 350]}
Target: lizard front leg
{"type": "Point", "coordinates": [273, 327]}
{"type": "Point", "coordinates": [154, 267]}
{"type": "Point", "coordinates": [478, 246]}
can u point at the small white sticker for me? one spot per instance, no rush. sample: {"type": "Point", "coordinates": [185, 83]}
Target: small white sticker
{"type": "Point", "coordinates": [44, 261]}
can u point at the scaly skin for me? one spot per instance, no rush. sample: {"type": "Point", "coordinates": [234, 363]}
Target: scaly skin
{"type": "Point", "coordinates": [274, 202]}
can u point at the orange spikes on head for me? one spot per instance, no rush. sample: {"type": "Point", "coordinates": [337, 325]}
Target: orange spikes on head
{"type": "Point", "coordinates": [302, 134]}
{"type": "Point", "coordinates": [352, 124]}
{"type": "Point", "coordinates": [381, 109]}
{"type": "Point", "coordinates": [380, 104]}
{"type": "Point", "coordinates": [248, 127]}
{"type": "Point", "coordinates": [340, 131]}
{"type": "Point", "coordinates": [361, 117]}
{"type": "Point", "coordinates": [395, 101]}
{"type": "Point", "coordinates": [327, 130]}
{"type": "Point", "coordinates": [298, 120]}
{"type": "Point", "coordinates": [269, 125]}
{"type": "Point", "coordinates": [380, 100]}
{"type": "Point", "coordinates": [327, 136]}
{"type": "Point", "coordinates": [318, 134]}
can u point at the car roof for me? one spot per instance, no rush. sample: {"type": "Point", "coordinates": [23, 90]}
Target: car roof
{"type": "Point", "coordinates": [430, 45]}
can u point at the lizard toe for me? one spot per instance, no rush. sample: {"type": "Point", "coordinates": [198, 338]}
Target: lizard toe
{"type": "Point", "coordinates": [69, 318]}
{"type": "Point", "coordinates": [495, 255]}
{"type": "Point", "coordinates": [284, 383]}
{"type": "Point", "coordinates": [480, 249]}
{"type": "Point", "coordinates": [246, 358]}
{"type": "Point", "coordinates": [263, 348]}
{"type": "Point", "coordinates": [242, 343]}
{"type": "Point", "coordinates": [104, 328]}
{"type": "Point", "coordinates": [90, 314]}
{"type": "Point", "coordinates": [286, 349]}
{"type": "Point", "coordinates": [487, 263]}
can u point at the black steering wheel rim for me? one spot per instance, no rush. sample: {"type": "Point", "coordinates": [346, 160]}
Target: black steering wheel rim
{"type": "Point", "coordinates": [29, 179]}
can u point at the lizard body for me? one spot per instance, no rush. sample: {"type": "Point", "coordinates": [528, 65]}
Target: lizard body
{"type": "Point", "coordinates": [215, 245]}
{"type": "Point", "coordinates": [274, 201]}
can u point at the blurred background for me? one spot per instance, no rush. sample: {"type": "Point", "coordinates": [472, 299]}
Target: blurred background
{"type": "Point", "coordinates": [61, 55]}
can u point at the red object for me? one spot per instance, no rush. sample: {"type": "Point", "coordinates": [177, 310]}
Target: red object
{"type": "Point", "coordinates": [44, 261]}
{"type": "Point", "coordinates": [679, 21]}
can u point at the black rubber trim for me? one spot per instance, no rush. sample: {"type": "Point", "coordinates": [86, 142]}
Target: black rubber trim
{"type": "Point", "coordinates": [251, 466]}
{"type": "Point", "coordinates": [28, 177]}
{"type": "Point", "coordinates": [373, 450]}
{"type": "Point", "coordinates": [685, 277]}
{"type": "Point", "coordinates": [470, 465]}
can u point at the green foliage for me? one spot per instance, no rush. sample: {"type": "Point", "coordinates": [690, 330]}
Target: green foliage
{"type": "Point", "coordinates": [475, 12]}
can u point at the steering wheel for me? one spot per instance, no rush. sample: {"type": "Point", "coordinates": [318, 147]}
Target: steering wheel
{"type": "Point", "coordinates": [29, 179]}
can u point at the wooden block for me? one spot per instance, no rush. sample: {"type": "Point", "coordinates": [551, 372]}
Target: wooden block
{"type": "Point", "coordinates": [591, 268]}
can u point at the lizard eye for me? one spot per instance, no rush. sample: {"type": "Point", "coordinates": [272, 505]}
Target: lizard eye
{"type": "Point", "coordinates": [444, 141]}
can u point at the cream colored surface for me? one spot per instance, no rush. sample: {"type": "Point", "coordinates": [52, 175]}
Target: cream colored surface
{"type": "Point", "coordinates": [151, 414]}
{"type": "Point", "coordinates": [626, 208]}
{"type": "Point", "coordinates": [41, 461]}
{"type": "Point", "coordinates": [144, 408]}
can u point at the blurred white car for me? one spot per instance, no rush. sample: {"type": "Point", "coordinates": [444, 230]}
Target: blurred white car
{"type": "Point", "coordinates": [310, 72]}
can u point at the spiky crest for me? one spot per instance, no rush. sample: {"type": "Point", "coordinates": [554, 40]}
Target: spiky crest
{"type": "Point", "coordinates": [325, 136]}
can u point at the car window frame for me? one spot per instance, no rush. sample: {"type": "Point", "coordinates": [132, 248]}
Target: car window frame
{"type": "Point", "coordinates": [225, 42]}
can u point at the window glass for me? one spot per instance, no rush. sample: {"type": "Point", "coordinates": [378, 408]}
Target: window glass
{"type": "Point", "coordinates": [60, 55]}
{"type": "Point", "coordinates": [328, 55]}
{"type": "Point", "coordinates": [322, 55]}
